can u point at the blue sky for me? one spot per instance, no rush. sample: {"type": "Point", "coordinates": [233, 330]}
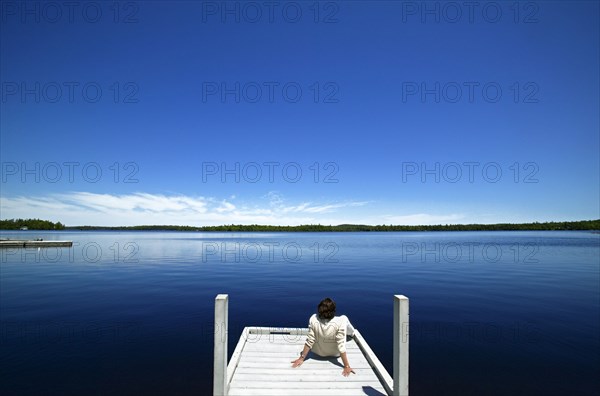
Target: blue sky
{"type": "Point", "coordinates": [331, 112]}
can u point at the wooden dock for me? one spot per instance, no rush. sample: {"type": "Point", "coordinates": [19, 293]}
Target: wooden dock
{"type": "Point", "coordinates": [261, 362]}
{"type": "Point", "coordinates": [25, 243]}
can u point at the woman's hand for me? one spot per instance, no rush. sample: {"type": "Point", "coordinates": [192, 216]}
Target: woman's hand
{"type": "Point", "coordinates": [297, 362]}
{"type": "Point", "coordinates": [347, 371]}
{"type": "Point", "coordinates": [347, 368]}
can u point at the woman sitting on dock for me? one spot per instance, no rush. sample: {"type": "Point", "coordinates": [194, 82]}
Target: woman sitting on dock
{"type": "Point", "coordinates": [327, 335]}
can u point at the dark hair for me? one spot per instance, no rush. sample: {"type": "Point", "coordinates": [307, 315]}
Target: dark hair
{"type": "Point", "coordinates": [327, 309]}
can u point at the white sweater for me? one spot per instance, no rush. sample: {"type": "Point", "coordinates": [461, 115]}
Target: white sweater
{"type": "Point", "coordinates": [328, 337]}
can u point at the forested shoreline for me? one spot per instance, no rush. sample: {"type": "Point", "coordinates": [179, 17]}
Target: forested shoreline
{"type": "Point", "coordinates": [37, 224]}
{"type": "Point", "coordinates": [31, 224]}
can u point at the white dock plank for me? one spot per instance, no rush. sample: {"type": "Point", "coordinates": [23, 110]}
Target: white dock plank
{"type": "Point", "coordinates": [304, 392]}
{"type": "Point", "coordinates": [285, 363]}
{"type": "Point", "coordinates": [315, 385]}
{"type": "Point", "coordinates": [304, 373]}
{"type": "Point", "coordinates": [278, 353]}
{"type": "Point", "coordinates": [285, 346]}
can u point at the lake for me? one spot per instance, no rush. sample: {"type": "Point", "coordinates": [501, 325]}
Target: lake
{"type": "Point", "coordinates": [494, 313]}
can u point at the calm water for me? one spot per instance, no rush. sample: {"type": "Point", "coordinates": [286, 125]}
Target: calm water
{"type": "Point", "coordinates": [494, 313]}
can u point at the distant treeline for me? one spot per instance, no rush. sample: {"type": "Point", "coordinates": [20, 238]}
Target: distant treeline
{"type": "Point", "coordinates": [37, 224]}
{"type": "Point", "coordinates": [31, 224]}
{"type": "Point", "coordinates": [562, 225]}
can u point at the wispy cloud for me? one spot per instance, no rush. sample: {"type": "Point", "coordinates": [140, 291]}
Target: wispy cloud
{"type": "Point", "coordinates": [278, 203]}
{"type": "Point", "coordinates": [85, 208]}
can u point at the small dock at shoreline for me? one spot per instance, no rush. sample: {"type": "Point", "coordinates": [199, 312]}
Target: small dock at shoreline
{"type": "Point", "coordinates": [261, 362]}
{"type": "Point", "coordinates": [32, 243]}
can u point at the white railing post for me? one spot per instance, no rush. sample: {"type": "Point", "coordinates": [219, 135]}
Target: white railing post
{"type": "Point", "coordinates": [220, 353]}
{"type": "Point", "coordinates": [400, 345]}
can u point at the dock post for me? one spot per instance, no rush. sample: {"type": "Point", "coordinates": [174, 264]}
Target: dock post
{"type": "Point", "coordinates": [220, 353]}
{"type": "Point", "coordinates": [400, 345]}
